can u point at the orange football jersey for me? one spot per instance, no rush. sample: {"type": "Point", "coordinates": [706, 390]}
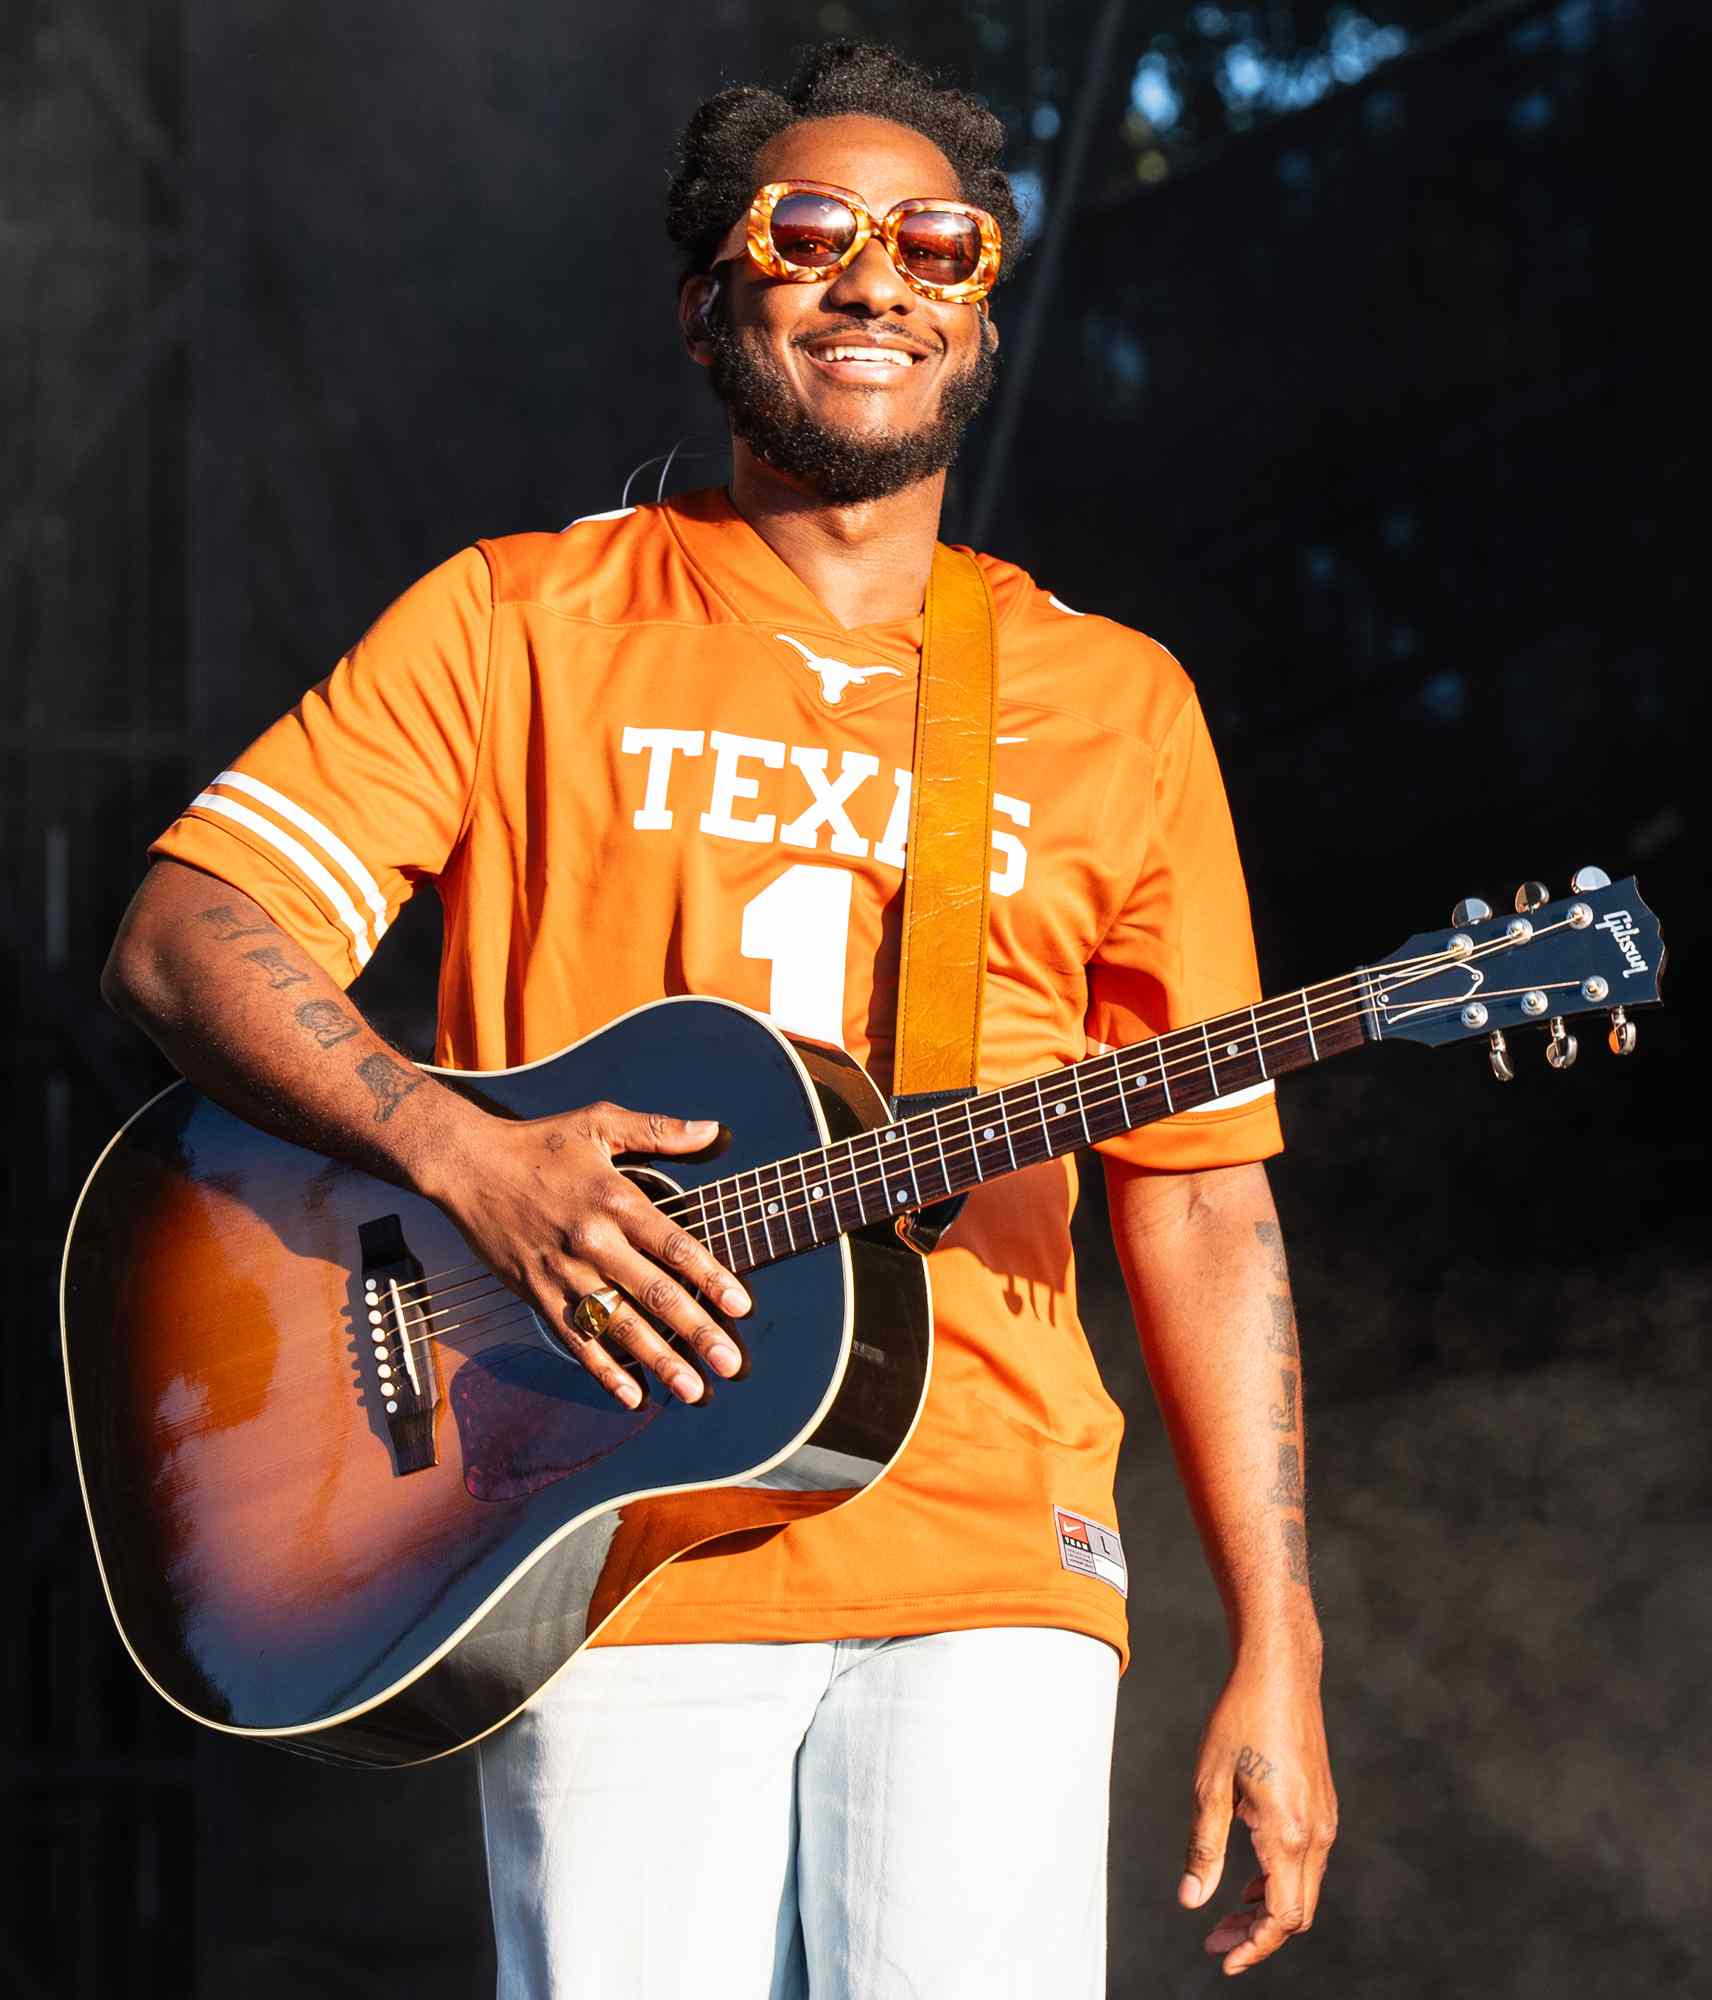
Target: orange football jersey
{"type": "Point", "coordinates": [639, 758]}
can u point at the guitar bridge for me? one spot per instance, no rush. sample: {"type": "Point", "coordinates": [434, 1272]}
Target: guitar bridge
{"type": "Point", "coordinates": [398, 1361]}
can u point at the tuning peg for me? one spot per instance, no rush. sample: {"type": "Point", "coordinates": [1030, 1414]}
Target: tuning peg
{"type": "Point", "coordinates": [1530, 896]}
{"type": "Point", "coordinates": [1471, 910]}
{"type": "Point", "coordinates": [1621, 1040]}
{"type": "Point", "coordinates": [1562, 1048]}
{"type": "Point", "coordinates": [1498, 1055]}
{"type": "Point", "coordinates": [1584, 880]}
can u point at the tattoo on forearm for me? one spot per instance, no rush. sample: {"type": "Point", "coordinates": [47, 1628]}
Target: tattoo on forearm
{"type": "Point", "coordinates": [555, 1142]}
{"type": "Point", "coordinates": [279, 969]}
{"type": "Point", "coordinates": [1250, 1764]}
{"type": "Point", "coordinates": [390, 1082]}
{"type": "Point", "coordinates": [1296, 1550]}
{"type": "Point", "coordinates": [1272, 1238]}
{"type": "Point", "coordinates": [1284, 1414]}
{"type": "Point", "coordinates": [1287, 1488]}
{"type": "Point", "coordinates": [328, 1022]}
{"type": "Point", "coordinates": [1281, 1335]}
{"type": "Point", "coordinates": [226, 924]}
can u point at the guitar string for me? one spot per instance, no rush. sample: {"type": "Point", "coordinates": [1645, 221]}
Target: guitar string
{"type": "Point", "coordinates": [388, 1334]}
{"type": "Point", "coordinates": [1284, 1007]}
{"type": "Point", "coordinates": [958, 1151]}
{"type": "Point", "coordinates": [694, 1205]}
{"type": "Point", "coordinates": [1143, 1053]}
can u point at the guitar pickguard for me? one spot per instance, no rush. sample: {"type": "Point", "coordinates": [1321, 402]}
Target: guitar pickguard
{"type": "Point", "coordinates": [527, 1418]}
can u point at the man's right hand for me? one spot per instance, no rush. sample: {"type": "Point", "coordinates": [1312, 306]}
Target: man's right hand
{"type": "Point", "coordinates": [540, 1202]}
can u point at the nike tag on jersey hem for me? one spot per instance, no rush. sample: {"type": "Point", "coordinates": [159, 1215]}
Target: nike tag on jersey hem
{"type": "Point", "coordinates": [1089, 1549]}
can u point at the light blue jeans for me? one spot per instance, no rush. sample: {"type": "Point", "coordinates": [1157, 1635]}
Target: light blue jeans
{"type": "Point", "coordinates": [865, 1819]}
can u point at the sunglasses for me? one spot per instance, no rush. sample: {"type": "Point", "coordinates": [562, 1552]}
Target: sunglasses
{"type": "Point", "coordinates": [804, 230]}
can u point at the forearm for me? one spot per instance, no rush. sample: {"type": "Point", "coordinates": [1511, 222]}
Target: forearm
{"type": "Point", "coordinates": [1204, 1261]}
{"type": "Point", "coordinates": [249, 1018]}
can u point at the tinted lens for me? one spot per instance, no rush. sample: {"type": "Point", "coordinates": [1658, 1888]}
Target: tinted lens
{"type": "Point", "coordinates": [940, 247]}
{"type": "Point", "coordinates": [812, 229]}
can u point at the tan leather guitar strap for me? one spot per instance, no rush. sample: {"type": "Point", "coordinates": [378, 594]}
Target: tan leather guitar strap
{"type": "Point", "coordinates": [943, 962]}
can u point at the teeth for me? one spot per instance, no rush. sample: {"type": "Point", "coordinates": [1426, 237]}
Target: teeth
{"type": "Point", "coordinates": [895, 356]}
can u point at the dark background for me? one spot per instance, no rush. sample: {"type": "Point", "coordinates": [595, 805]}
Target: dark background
{"type": "Point", "coordinates": [1354, 362]}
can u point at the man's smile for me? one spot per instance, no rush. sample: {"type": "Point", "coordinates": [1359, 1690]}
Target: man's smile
{"type": "Point", "coordinates": [865, 359]}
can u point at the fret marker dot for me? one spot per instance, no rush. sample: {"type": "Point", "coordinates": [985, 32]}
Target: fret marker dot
{"type": "Point", "coordinates": [772, 1208]}
{"type": "Point", "coordinates": [902, 1195]}
{"type": "Point", "coordinates": [986, 1131]}
{"type": "Point", "coordinates": [1142, 1079]}
{"type": "Point", "coordinates": [1058, 1110]}
{"type": "Point", "coordinates": [817, 1191]}
{"type": "Point", "coordinates": [1230, 1048]}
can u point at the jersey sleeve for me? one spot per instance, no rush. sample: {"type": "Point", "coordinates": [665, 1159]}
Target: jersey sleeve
{"type": "Point", "coordinates": [332, 816]}
{"type": "Point", "coordinates": [1181, 949]}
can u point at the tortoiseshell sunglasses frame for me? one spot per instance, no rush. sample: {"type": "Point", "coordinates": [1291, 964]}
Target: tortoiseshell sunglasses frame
{"type": "Point", "coordinates": [766, 257]}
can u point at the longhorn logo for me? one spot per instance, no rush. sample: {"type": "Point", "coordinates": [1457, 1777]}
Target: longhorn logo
{"type": "Point", "coordinates": [835, 675]}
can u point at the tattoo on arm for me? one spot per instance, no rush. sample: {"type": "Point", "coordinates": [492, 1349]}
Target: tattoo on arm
{"type": "Point", "coordinates": [1281, 1335]}
{"type": "Point", "coordinates": [1296, 1550]}
{"type": "Point", "coordinates": [1283, 1414]}
{"type": "Point", "coordinates": [278, 968]}
{"type": "Point", "coordinates": [328, 1022]}
{"type": "Point", "coordinates": [1250, 1764]}
{"type": "Point", "coordinates": [390, 1082]}
{"type": "Point", "coordinates": [1287, 1488]}
{"type": "Point", "coordinates": [226, 924]}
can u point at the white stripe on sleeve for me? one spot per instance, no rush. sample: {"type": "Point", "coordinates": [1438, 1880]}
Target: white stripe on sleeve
{"type": "Point", "coordinates": [300, 857]}
{"type": "Point", "coordinates": [323, 837]}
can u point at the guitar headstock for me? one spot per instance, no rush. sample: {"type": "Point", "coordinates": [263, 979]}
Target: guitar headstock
{"type": "Point", "coordinates": [1597, 950]}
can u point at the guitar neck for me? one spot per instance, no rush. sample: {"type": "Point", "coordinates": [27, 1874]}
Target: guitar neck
{"type": "Point", "coordinates": [774, 1211]}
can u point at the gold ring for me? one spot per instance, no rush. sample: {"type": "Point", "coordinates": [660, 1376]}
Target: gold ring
{"type": "Point", "coordinates": [594, 1311]}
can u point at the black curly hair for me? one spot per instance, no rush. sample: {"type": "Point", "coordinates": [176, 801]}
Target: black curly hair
{"type": "Point", "coordinates": [716, 175]}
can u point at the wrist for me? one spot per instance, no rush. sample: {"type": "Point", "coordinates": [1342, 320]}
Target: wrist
{"type": "Point", "coordinates": [1278, 1635]}
{"type": "Point", "coordinates": [444, 1160]}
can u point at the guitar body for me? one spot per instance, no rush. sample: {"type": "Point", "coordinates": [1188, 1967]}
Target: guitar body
{"type": "Point", "coordinates": [275, 1568]}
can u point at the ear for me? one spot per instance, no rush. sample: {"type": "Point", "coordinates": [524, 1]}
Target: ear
{"type": "Point", "coordinates": [989, 332]}
{"type": "Point", "coordinates": [696, 299]}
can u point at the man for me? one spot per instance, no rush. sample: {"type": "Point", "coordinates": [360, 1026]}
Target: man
{"type": "Point", "coordinates": [668, 751]}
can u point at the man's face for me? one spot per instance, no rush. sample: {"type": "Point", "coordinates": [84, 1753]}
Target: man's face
{"type": "Point", "coordinates": [848, 429]}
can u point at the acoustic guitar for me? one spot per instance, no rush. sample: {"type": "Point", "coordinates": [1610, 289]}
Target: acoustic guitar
{"type": "Point", "coordinates": [351, 1496]}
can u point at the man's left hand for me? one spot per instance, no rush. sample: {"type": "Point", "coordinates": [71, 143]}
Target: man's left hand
{"type": "Point", "coordinates": [1263, 1758]}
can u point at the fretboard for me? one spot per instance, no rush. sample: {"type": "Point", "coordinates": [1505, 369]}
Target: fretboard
{"type": "Point", "coordinates": [756, 1217]}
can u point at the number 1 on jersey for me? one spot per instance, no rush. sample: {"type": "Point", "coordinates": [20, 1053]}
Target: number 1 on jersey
{"type": "Point", "coordinates": [801, 921]}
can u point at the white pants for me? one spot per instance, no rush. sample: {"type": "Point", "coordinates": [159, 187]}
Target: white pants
{"type": "Point", "coordinates": [865, 1819]}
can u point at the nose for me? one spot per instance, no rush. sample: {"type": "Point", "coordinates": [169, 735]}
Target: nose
{"type": "Point", "coordinates": [869, 283]}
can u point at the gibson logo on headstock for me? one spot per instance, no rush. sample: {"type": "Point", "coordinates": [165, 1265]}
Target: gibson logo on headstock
{"type": "Point", "coordinates": [1621, 927]}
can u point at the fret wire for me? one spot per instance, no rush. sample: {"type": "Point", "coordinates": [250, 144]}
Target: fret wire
{"type": "Point", "coordinates": [761, 1207]}
{"type": "Point", "coordinates": [743, 1220]}
{"type": "Point", "coordinates": [808, 1199]}
{"type": "Point", "coordinates": [902, 1128]}
{"type": "Point", "coordinates": [1081, 1108]}
{"type": "Point", "coordinates": [1211, 1070]}
{"type": "Point", "coordinates": [1259, 1053]}
{"type": "Point", "coordinates": [784, 1204]}
{"type": "Point", "coordinates": [856, 1180]}
{"type": "Point", "coordinates": [939, 1145]}
{"type": "Point", "coordinates": [1005, 1127]}
{"type": "Point", "coordinates": [1045, 1133]}
{"type": "Point", "coordinates": [1308, 1017]}
{"type": "Point", "coordinates": [974, 1143]}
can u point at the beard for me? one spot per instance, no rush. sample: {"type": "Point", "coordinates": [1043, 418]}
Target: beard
{"type": "Point", "coordinates": [841, 466]}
